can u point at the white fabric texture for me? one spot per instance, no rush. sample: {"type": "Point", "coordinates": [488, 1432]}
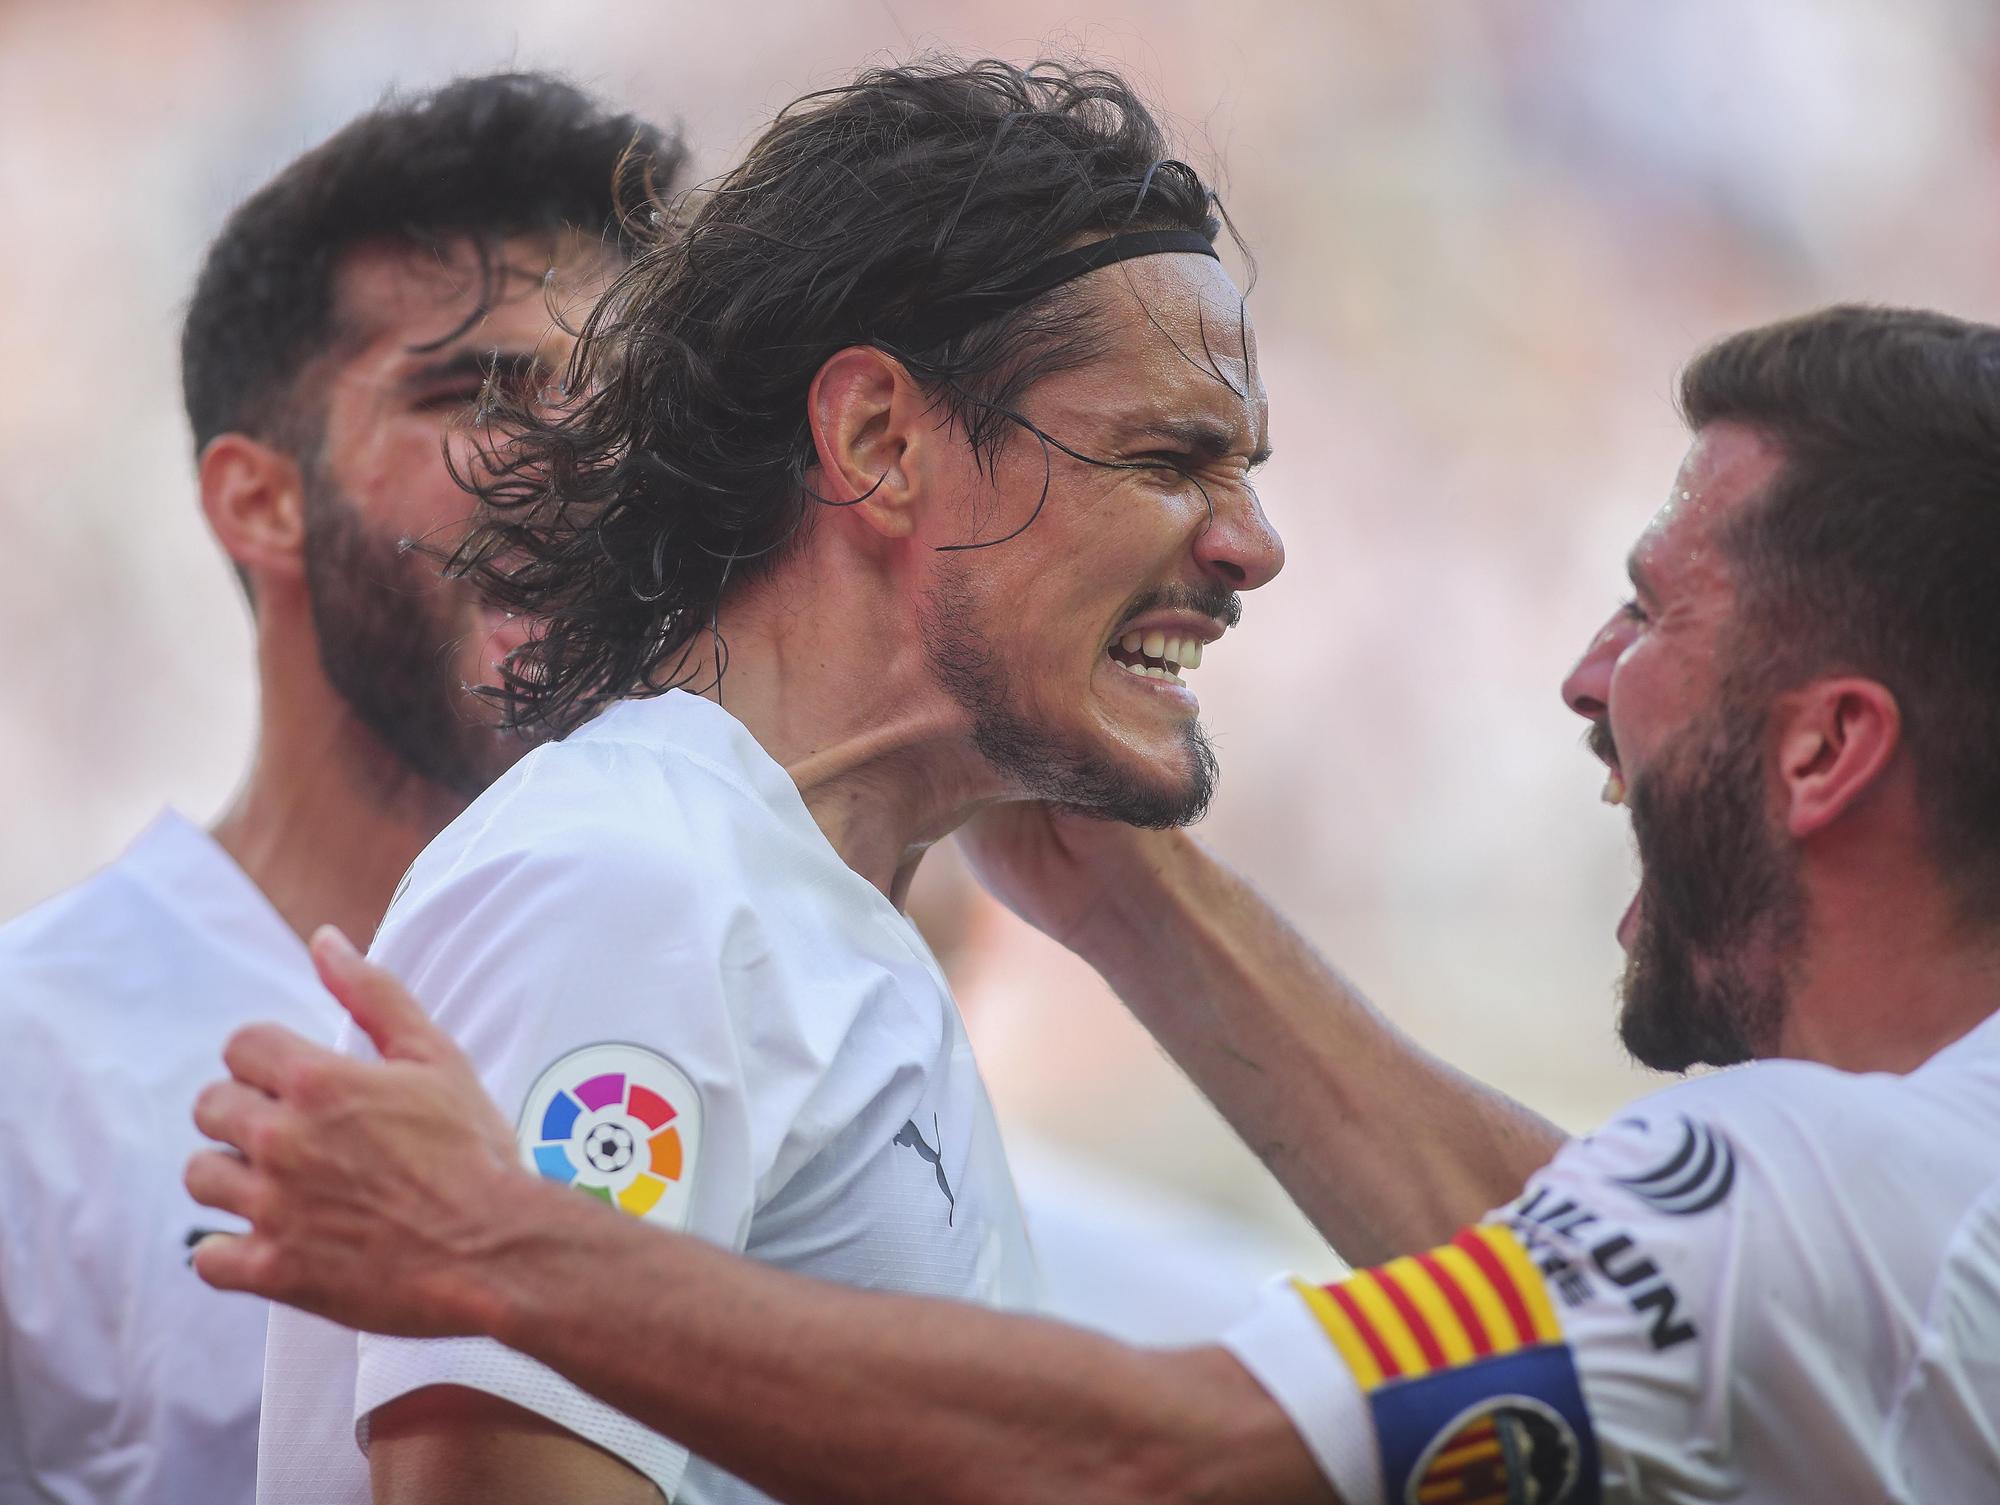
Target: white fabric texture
{"type": "Point", "coordinates": [1196, 1269]}
{"type": "Point", "coordinates": [122, 1377]}
{"type": "Point", "coordinates": [1843, 1292]}
{"type": "Point", "coordinates": [655, 881]}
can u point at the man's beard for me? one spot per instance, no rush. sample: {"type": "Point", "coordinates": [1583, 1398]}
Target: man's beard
{"type": "Point", "coordinates": [1722, 913]}
{"type": "Point", "coordinates": [388, 644]}
{"type": "Point", "coordinates": [1042, 764]}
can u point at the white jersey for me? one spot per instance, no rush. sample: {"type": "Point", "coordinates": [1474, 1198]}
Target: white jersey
{"type": "Point", "coordinates": [123, 1378]}
{"type": "Point", "coordinates": [1199, 1270]}
{"type": "Point", "coordinates": [695, 1011]}
{"type": "Point", "coordinates": [1777, 1284]}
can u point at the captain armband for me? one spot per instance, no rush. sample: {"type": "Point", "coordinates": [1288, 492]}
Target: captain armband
{"type": "Point", "coordinates": [1472, 1390]}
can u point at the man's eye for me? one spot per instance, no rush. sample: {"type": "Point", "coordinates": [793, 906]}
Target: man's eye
{"type": "Point", "coordinates": [448, 398]}
{"type": "Point", "coordinates": [1177, 466]}
{"type": "Point", "coordinates": [1632, 611]}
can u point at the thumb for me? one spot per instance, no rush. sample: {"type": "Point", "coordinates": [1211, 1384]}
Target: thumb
{"type": "Point", "coordinates": [376, 1000]}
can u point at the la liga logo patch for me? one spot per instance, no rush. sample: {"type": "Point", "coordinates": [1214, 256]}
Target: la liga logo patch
{"type": "Point", "coordinates": [619, 1123]}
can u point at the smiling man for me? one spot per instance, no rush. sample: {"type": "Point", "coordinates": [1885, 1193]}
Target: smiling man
{"type": "Point", "coordinates": [1776, 1283]}
{"type": "Point", "coordinates": [344, 323]}
{"type": "Point", "coordinates": [908, 476]}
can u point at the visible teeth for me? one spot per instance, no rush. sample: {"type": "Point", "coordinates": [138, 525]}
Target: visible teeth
{"type": "Point", "coordinates": [1165, 657]}
{"type": "Point", "coordinates": [1614, 789]}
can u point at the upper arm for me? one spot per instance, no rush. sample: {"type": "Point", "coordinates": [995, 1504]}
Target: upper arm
{"type": "Point", "coordinates": [576, 969]}
{"type": "Point", "coordinates": [1576, 1340]}
{"type": "Point", "coordinates": [447, 1445]}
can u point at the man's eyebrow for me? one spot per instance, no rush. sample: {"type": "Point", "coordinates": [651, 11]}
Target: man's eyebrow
{"type": "Point", "coordinates": [472, 366]}
{"type": "Point", "coordinates": [1201, 436]}
{"type": "Point", "coordinates": [1640, 576]}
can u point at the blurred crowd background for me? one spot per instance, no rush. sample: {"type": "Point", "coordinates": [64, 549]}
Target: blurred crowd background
{"type": "Point", "coordinates": [1486, 236]}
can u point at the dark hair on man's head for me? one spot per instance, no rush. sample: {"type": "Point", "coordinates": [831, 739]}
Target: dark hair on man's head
{"type": "Point", "coordinates": [1876, 548]}
{"type": "Point", "coordinates": [865, 215]}
{"type": "Point", "coordinates": [480, 159]}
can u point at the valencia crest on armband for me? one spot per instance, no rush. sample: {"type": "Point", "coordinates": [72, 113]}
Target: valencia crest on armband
{"type": "Point", "coordinates": [1473, 1391]}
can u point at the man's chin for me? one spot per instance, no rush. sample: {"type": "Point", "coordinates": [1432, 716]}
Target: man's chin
{"type": "Point", "coordinates": [1170, 789]}
{"type": "Point", "coordinates": [1163, 796]}
{"type": "Point", "coordinates": [1676, 1013]}
{"type": "Point", "coordinates": [1150, 810]}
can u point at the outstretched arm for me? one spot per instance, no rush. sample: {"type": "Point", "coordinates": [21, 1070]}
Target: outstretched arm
{"type": "Point", "coordinates": [387, 1196]}
{"type": "Point", "coordinates": [1387, 1148]}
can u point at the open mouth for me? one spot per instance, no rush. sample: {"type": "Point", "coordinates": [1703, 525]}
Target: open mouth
{"type": "Point", "coordinates": [1155, 655]}
{"type": "Point", "coordinates": [1614, 793]}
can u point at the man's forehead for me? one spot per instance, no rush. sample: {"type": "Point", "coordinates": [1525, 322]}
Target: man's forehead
{"type": "Point", "coordinates": [406, 295]}
{"type": "Point", "coordinates": [1183, 333]}
{"type": "Point", "coordinates": [1727, 465]}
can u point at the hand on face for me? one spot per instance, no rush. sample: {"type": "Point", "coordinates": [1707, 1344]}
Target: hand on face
{"type": "Point", "coordinates": [372, 1188]}
{"type": "Point", "coordinates": [1055, 868]}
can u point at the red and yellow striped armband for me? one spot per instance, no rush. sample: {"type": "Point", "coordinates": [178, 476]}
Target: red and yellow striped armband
{"type": "Point", "coordinates": [1473, 1392]}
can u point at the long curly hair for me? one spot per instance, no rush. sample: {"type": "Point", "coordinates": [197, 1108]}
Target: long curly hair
{"type": "Point", "coordinates": [674, 463]}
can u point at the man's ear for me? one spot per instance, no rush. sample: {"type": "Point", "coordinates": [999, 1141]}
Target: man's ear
{"type": "Point", "coordinates": [254, 499]}
{"type": "Point", "coordinates": [1835, 738]}
{"type": "Point", "coordinates": [870, 423]}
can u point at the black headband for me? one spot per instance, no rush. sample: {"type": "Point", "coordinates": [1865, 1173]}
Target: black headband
{"type": "Point", "coordinates": [969, 311]}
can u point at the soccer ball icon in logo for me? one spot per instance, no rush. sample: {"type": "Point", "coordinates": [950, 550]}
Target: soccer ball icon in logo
{"type": "Point", "coordinates": [619, 1123]}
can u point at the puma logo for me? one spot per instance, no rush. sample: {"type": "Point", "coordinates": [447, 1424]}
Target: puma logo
{"type": "Point", "coordinates": [913, 1137]}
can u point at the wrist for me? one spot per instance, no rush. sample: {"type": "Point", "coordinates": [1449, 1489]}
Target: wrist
{"type": "Point", "coordinates": [1145, 888]}
{"type": "Point", "coordinates": [499, 1287]}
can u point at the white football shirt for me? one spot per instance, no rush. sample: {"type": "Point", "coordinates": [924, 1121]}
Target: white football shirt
{"type": "Point", "coordinates": [122, 1377]}
{"type": "Point", "coordinates": [697, 1012]}
{"type": "Point", "coordinates": [1779, 1283]}
{"type": "Point", "coordinates": [1197, 1269]}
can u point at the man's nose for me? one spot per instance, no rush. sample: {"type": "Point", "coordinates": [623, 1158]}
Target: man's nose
{"type": "Point", "coordinates": [1239, 547]}
{"type": "Point", "coordinates": [1586, 689]}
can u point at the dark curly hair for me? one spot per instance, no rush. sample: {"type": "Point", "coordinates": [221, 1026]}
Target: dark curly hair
{"type": "Point", "coordinates": [865, 215]}
{"type": "Point", "coordinates": [481, 158]}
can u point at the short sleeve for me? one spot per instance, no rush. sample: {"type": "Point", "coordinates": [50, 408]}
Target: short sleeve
{"type": "Point", "coordinates": [1571, 1348]}
{"type": "Point", "coordinates": [585, 978]}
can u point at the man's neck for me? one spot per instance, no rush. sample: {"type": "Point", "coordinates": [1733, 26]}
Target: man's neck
{"type": "Point", "coordinates": [327, 822]}
{"type": "Point", "coordinates": [882, 756]}
{"type": "Point", "coordinates": [1892, 977]}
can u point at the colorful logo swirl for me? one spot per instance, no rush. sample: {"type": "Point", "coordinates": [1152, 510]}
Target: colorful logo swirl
{"type": "Point", "coordinates": [607, 1120]}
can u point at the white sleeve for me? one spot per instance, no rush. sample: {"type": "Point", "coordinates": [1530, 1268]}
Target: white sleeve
{"type": "Point", "coordinates": [1574, 1347]}
{"type": "Point", "coordinates": [586, 979]}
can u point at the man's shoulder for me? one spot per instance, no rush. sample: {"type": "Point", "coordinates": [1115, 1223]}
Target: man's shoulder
{"type": "Point", "coordinates": [112, 933]}
{"type": "Point", "coordinates": [1845, 1116]}
{"type": "Point", "coordinates": [1784, 1170]}
{"type": "Point", "coordinates": [614, 828]}
{"type": "Point", "coordinates": [618, 808]}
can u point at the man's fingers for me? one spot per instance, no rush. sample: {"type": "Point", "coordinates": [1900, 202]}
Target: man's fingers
{"type": "Point", "coordinates": [378, 1002]}
{"type": "Point", "coordinates": [233, 1262]}
{"type": "Point", "coordinates": [234, 1114]}
{"type": "Point", "coordinates": [218, 1179]}
{"type": "Point", "coordinates": [267, 1056]}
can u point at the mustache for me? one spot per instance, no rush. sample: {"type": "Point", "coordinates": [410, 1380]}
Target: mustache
{"type": "Point", "coordinates": [1216, 601]}
{"type": "Point", "coordinates": [1598, 739]}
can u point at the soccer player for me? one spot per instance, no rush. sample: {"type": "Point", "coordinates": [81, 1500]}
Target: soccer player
{"type": "Point", "coordinates": [909, 475]}
{"type": "Point", "coordinates": [1777, 1283]}
{"type": "Point", "coordinates": [347, 315]}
